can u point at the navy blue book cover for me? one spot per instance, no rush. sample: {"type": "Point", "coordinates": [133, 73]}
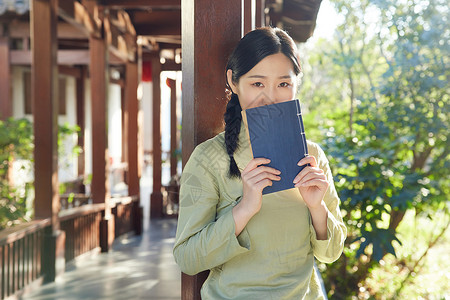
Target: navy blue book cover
{"type": "Point", "coordinates": [276, 132]}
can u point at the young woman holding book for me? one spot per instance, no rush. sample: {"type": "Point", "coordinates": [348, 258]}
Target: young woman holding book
{"type": "Point", "coordinates": [255, 246]}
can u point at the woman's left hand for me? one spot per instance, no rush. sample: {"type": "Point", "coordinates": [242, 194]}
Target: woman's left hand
{"type": "Point", "coordinates": [311, 182]}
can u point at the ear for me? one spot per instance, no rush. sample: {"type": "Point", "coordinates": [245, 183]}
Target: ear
{"type": "Point", "coordinates": [233, 87]}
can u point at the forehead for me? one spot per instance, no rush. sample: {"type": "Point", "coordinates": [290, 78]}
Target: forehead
{"type": "Point", "coordinates": [273, 65]}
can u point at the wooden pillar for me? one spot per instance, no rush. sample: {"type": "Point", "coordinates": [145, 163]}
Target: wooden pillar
{"type": "Point", "coordinates": [81, 118]}
{"type": "Point", "coordinates": [5, 80]}
{"type": "Point", "coordinates": [173, 126]}
{"type": "Point", "coordinates": [131, 119]}
{"type": "Point", "coordinates": [100, 157]}
{"type": "Point", "coordinates": [248, 16]}
{"type": "Point", "coordinates": [44, 77]}
{"type": "Point", "coordinates": [260, 16]}
{"type": "Point", "coordinates": [124, 127]}
{"type": "Point", "coordinates": [204, 60]}
{"type": "Point", "coordinates": [156, 198]}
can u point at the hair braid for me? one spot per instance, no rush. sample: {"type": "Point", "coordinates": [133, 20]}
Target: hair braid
{"type": "Point", "coordinates": [232, 118]}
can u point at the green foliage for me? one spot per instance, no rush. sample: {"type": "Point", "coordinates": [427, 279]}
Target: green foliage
{"type": "Point", "coordinates": [388, 145]}
{"type": "Point", "coordinates": [16, 143]}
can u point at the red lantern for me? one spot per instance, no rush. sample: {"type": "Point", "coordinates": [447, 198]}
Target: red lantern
{"type": "Point", "coordinates": [147, 71]}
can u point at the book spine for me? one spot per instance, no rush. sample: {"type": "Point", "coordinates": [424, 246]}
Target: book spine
{"type": "Point", "coordinates": [300, 124]}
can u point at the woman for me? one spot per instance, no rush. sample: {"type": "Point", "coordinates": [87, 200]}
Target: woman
{"type": "Point", "coordinates": [257, 247]}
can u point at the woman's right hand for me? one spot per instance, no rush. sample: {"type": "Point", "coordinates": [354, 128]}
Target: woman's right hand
{"type": "Point", "coordinates": [255, 177]}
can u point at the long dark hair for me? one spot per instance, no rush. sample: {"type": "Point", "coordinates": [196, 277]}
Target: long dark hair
{"type": "Point", "coordinates": [251, 49]}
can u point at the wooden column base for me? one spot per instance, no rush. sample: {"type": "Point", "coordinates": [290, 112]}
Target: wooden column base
{"type": "Point", "coordinates": [138, 218]}
{"type": "Point", "coordinates": [156, 203]}
{"type": "Point", "coordinates": [53, 260]}
{"type": "Point", "coordinates": [191, 285]}
{"type": "Point", "coordinates": [106, 233]}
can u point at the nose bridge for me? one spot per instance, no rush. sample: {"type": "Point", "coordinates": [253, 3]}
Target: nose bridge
{"type": "Point", "coordinates": [271, 92]}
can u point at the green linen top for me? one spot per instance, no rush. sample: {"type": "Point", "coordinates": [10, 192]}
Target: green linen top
{"type": "Point", "coordinates": [273, 256]}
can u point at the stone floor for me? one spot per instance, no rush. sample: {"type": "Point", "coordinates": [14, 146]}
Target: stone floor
{"type": "Point", "coordinates": [137, 267]}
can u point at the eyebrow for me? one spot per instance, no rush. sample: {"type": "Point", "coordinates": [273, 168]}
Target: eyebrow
{"type": "Point", "coordinates": [261, 76]}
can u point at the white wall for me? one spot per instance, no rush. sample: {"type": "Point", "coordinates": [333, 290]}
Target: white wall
{"type": "Point", "coordinates": [68, 164]}
{"type": "Point", "coordinates": [147, 110]}
{"type": "Point", "coordinates": [114, 124]}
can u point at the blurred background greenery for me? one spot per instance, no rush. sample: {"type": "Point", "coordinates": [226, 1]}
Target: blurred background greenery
{"type": "Point", "coordinates": [16, 145]}
{"type": "Point", "coordinates": [376, 98]}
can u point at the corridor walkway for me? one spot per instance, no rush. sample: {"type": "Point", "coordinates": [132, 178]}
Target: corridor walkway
{"type": "Point", "coordinates": [137, 267]}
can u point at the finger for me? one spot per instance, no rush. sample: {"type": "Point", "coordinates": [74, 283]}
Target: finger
{"type": "Point", "coordinates": [256, 162]}
{"type": "Point", "coordinates": [264, 183]}
{"type": "Point", "coordinates": [309, 174]}
{"type": "Point", "coordinates": [308, 160]}
{"type": "Point", "coordinates": [320, 183]}
{"type": "Point", "coordinates": [306, 171]}
{"type": "Point", "coordinates": [262, 176]}
{"type": "Point", "coordinates": [261, 169]}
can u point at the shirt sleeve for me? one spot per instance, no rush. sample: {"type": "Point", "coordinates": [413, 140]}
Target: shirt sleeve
{"type": "Point", "coordinates": [330, 249]}
{"type": "Point", "coordinates": [203, 242]}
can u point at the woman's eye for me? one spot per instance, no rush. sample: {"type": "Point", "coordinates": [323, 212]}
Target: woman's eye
{"type": "Point", "coordinates": [285, 84]}
{"type": "Point", "coordinates": [257, 84]}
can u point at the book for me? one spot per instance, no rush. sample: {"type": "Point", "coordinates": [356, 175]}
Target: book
{"type": "Point", "coordinates": [276, 132]}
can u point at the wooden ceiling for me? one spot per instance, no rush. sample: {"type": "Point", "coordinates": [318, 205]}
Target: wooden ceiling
{"type": "Point", "coordinates": [160, 20]}
{"type": "Point", "coordinates": [156, 23]}
{"type": "Point", "coordinates": [157, 20]}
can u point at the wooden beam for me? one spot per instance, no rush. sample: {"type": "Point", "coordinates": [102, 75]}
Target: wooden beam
{"type": "Point", "coordinates": [157, 22]}
{"type": "Point", "coordinates": [248, 16]}
{"type": "Point", "coordinates": [260, 16]}
{"type": "Point", "coordinates": [117, 57]}
{"type": "Point", "coordinates": [120, 82]}
{"type": "Point", "coordinates": [45, 109]}
{"type": "Point", "coordinates": [124, 23]}
{"type": "Point", "coordinates": [124, 127]}
{"type": "Point", "coordinates": [173, 126]}
{"type": "Point", "coordinates": [142, 4]}
{"type": "Point", "coordinates": [156, 196]}
{"type": "Point", "coordinates": [44, 78]}
{"type": "Point", "coordinates": [169, 29]}
{"type": "Point", "coordinates": [99, 83]}
{"type": "Point", "coordinates": [20, 29]}
{"type": "Point", "coordinates": [131, 119]}
{"type": "Point", "coordinates": [70, 71]}
{"type": "Point", "coordinates": [204, 53]}
{"type": "Point", "coordinates": [5, 80]}
{"type": "Point", "coordinates": [81, 117]}
{"type": "Point", "coordinates": [79, 16]}
{"type": "Point", "coordinates": [170, 66]}
{"type": "Point", "coordinates": [100, 157]}
{"type": "Point", "coordinates": [66, 57]}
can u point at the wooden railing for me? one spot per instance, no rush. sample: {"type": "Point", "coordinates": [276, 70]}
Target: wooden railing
{"type": "Point", "coordinates": [20, 255]}
{"type": "Point", "coordinates": [82, 227]}
{"type": "Point", "coordinates": [21, 246]}
{"type": "Point", "coordinates": [73, 200]}
{"type": "Point", "coordinates": [127, 215]}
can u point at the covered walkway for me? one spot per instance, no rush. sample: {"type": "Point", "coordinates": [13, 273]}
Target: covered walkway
{"type": "Point", "coordinates": [98, 44]}
{"type": "Point", "coordinates": [137, 267]}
